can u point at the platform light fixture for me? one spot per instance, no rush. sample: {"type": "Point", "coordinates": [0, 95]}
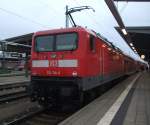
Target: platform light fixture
{"type": "Point", "coordinates": [124, 31]}
{"type": "Point", "coordinates": [135, 51]}
{"type": "Point", "coordinates": [131, 44]}
{"type": "Point", "coordinates": [142, 56]}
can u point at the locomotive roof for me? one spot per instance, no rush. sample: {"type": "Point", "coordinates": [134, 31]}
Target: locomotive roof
{"type": "Point", "coordinates": [63, 30]}
{"type": "Point", "coordinates": [71, 29]}
{"type": "Point", "coordinates": [77, 29]}
{"type": "Point", "coordinates": [74, 29]}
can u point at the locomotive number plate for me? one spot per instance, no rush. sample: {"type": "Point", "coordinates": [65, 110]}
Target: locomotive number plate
{"type": "Point", "coordinates": [52, 72]}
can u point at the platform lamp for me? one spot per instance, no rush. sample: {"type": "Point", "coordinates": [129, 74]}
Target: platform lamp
{"type": "Point", "coordinates": [131, 44]}
{"type": "Point", "coordinates": [143, 57]}
{"type": "Point", "coordinates": [124, 31]}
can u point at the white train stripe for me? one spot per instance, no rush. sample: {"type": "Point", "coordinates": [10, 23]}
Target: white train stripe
{"type": "Point", "coordinates": [40, 63]}
{"type": "Point", "coordinates": [55, 63]}
{"type": "Point", "coordinates": [68, 63]}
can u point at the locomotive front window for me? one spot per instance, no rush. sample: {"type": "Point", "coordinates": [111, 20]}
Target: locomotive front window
{"type": "Point", "coordinates": [66, 41]}
{"type": "Point", "coordinates": [44, 43]}
{"type": "Point", "coordinates": [58, 42]}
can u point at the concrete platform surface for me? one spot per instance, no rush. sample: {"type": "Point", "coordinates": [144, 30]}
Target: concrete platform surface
{"type": "Point", "coordinates": [138, 112]}
{"type": "Point", "coordinates": [128, 103]}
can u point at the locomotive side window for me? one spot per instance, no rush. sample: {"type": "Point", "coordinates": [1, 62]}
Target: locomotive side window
{"type": "Point", "coordinates": [92, 43]}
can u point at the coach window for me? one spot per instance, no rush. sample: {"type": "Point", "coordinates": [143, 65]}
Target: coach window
{"type": "Point", "coordinates": [92, 43]}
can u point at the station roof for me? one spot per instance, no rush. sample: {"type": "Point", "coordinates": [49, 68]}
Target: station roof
{"type": "Point", "coordinates": [136, 37]}
{"type": "Point", "coordinates": [23, 40]}
{"type": "Point", "coordinates": [140, 37]}
{"type": "Point", "coordinates": [26, 39]}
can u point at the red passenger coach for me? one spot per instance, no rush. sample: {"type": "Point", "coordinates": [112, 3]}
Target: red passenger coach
{"type": "Point", "coordinates": [68, 62]}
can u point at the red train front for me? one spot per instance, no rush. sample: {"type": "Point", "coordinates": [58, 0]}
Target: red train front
{"type": "Point", "coordinates": [68, 62]}
{"type": "Point", "coordinates": [58, 63]}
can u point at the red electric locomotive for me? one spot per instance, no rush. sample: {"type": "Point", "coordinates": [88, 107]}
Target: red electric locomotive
{"type": "Point", "coordinates": [68, 62]}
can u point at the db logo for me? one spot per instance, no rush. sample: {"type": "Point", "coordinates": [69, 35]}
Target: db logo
{"type": "Point", "coordinates": [53, 63]}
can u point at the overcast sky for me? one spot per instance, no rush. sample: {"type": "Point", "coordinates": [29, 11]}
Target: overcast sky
{"type": "Point", "coordinates": [18, 17]}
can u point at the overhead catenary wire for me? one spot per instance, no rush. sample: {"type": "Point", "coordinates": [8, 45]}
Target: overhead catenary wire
{"type": "Point", "coordinates": [102, 26]}
{"type": "Point", "coordinates": [92, 18]}
{"type": "Point", "coordinates": [51, 8]}
{"type": "Point", "coordinates": [22, 17]}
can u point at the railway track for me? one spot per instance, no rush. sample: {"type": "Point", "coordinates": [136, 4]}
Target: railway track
{"type": "Point", "coordinates": [13, 91]}
{"type": "Point", "coordinates": [8, 93]}
{"type": "Point", "coordinates": [13, 85]}
{"type": "Point", "coordinates": [13, 96]}
{"type": "Point", "coordinates": [38, 117]}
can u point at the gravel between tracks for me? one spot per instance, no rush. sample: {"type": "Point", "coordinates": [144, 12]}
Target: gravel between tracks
{"type": "Point", "coordinates": [11, 109]}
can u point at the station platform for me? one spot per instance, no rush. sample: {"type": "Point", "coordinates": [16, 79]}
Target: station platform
{"type": "Point", "coordinates": [127, 103]}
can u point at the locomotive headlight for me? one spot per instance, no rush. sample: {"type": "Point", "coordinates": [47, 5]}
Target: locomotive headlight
{"type": "Point", "coordinates": [74, 73]}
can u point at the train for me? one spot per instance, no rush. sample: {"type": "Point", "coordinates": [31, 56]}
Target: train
{"type": "Point", "coordinates": [12, 60]}
{"type": "Point", "coordinates": [66, 63]}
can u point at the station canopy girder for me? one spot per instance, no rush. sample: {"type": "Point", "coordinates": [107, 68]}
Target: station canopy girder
{"type": "Point", "coordinates": [140, 37]}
